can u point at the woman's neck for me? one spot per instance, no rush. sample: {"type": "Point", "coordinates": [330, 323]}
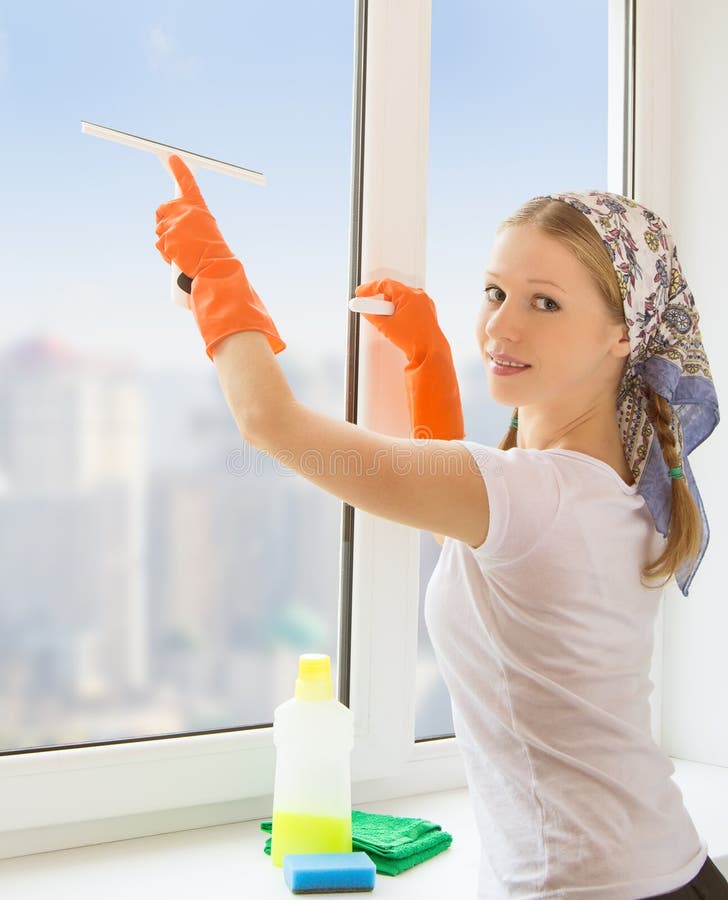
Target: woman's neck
{"type": "Point", "coordinates": [594, 432]}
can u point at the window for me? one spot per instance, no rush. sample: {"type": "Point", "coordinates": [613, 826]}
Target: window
{"type": "Point", "coordinates": [270, 101]}
{"type": "Point", "coordinates": [158, 575]}
{"type": "Point", "coordinates": [512, 115]}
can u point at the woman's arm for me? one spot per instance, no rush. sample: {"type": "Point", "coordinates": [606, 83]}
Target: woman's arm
{"type": "Point", "coordinates": [431, 485]}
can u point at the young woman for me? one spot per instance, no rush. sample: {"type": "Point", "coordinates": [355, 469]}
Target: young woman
{"type": "Point", "coordinates": [542, 605]}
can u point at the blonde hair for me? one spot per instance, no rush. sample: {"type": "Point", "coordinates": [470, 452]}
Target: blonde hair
{"type": "Point", "coordinates": [560, 220]}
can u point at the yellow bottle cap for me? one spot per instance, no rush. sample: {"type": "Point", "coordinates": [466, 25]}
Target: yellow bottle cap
{"type": "Point", "coordinates": [314, 677]}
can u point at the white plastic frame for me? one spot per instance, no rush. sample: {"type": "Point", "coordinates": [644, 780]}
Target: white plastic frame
{"type": "Point", "coordinates": [71, 797]}
{"type": "Point", "coordinates": [395, 195]}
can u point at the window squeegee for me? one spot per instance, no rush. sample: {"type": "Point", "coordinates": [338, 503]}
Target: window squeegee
{"type": "Point", "coordinates": [180, 282]}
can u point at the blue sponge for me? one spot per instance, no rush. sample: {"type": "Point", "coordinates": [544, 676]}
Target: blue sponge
{"type": "Point", "coordinates": [321, 873]}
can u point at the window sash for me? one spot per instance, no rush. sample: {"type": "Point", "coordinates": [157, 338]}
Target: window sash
{"type": "Point", "coordinates": [69, 797]}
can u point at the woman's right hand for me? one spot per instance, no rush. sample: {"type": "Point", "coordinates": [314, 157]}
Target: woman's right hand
{"type": "Point", "coordinates": [223, 300]}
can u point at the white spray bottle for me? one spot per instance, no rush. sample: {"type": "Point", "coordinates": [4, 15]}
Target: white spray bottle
{"type": "Point", "coordinates": [314, 735]}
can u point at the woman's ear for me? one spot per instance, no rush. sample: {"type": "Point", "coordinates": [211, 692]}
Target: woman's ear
{"type": "Point", "coordinates": [621, 348]}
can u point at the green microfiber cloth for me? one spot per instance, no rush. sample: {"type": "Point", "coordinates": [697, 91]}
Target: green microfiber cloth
{"type": "Point", "coordinates": [393, 843]}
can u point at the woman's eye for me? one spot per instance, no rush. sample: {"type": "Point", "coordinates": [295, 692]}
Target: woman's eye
{"type": "Point", "coordinates": [549, 304]}
{"type": "Point", "coordinates": [494, 294]}
{"type": "Point", "coordinates": [490, 294]}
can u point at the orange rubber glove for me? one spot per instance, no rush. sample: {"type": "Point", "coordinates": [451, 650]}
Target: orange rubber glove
{"type": "Point", "coordinates": [223, 301]}
{"type": "Point", "coordinates": [433, 396]}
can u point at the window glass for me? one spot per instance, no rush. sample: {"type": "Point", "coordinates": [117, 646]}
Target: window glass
{"type": "Point", "coordinates": [156, 575]}
{"type": "Point", "coordinates": [518, 108]}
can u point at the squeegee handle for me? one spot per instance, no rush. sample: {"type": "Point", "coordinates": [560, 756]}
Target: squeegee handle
{"type": "Point", "coordinates": [181, 285]}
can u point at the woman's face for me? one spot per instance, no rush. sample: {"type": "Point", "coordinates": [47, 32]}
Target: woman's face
{"type": "Point", "coordinates": [541, 307]}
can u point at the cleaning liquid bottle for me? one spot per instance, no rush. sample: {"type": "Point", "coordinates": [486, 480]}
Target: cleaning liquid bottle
{"type": "Point", "coordinates": [313, 734]}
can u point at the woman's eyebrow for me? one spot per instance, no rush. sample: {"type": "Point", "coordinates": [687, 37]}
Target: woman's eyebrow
{"type": "Point", "coordinates": [532, 280]}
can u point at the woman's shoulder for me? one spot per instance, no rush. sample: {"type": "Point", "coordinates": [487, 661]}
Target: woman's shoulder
{"type": "Point", "coordinates": [615, 468]}
{"type": "Point", "coordinates": [564, 460]}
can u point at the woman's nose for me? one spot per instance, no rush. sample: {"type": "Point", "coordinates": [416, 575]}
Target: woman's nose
{"type": "Point", "coordinates": [503, 322]}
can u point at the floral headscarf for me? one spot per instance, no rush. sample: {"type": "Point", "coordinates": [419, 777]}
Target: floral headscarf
{"type": "Point", "coordinates": [666, 352]}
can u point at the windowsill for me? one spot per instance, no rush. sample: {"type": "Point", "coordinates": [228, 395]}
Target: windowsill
{"type": "Point", "coordinates": [227, 861]}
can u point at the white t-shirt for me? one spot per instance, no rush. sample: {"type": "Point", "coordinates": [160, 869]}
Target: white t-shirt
{"type": "Point", "coordinates": [544, 637]}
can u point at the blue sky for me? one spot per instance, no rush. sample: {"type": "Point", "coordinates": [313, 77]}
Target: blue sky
{"type": "Point", "coordinates": [519, 107]}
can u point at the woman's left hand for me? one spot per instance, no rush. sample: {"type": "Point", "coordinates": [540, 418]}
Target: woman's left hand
{"type": "Point", "coordinates": [433, 395]}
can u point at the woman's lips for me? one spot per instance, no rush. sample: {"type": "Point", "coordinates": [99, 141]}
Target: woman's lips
{"type": "Point", "coordinates": [500, 369]}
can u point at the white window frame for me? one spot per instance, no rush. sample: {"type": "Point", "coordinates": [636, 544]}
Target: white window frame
{"type": "Point", "coordinates": [70, 797]}
{"type": "Point", "coordinates": [395, 246]}
{"type": "Point", "coordinates": [651, 184]}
